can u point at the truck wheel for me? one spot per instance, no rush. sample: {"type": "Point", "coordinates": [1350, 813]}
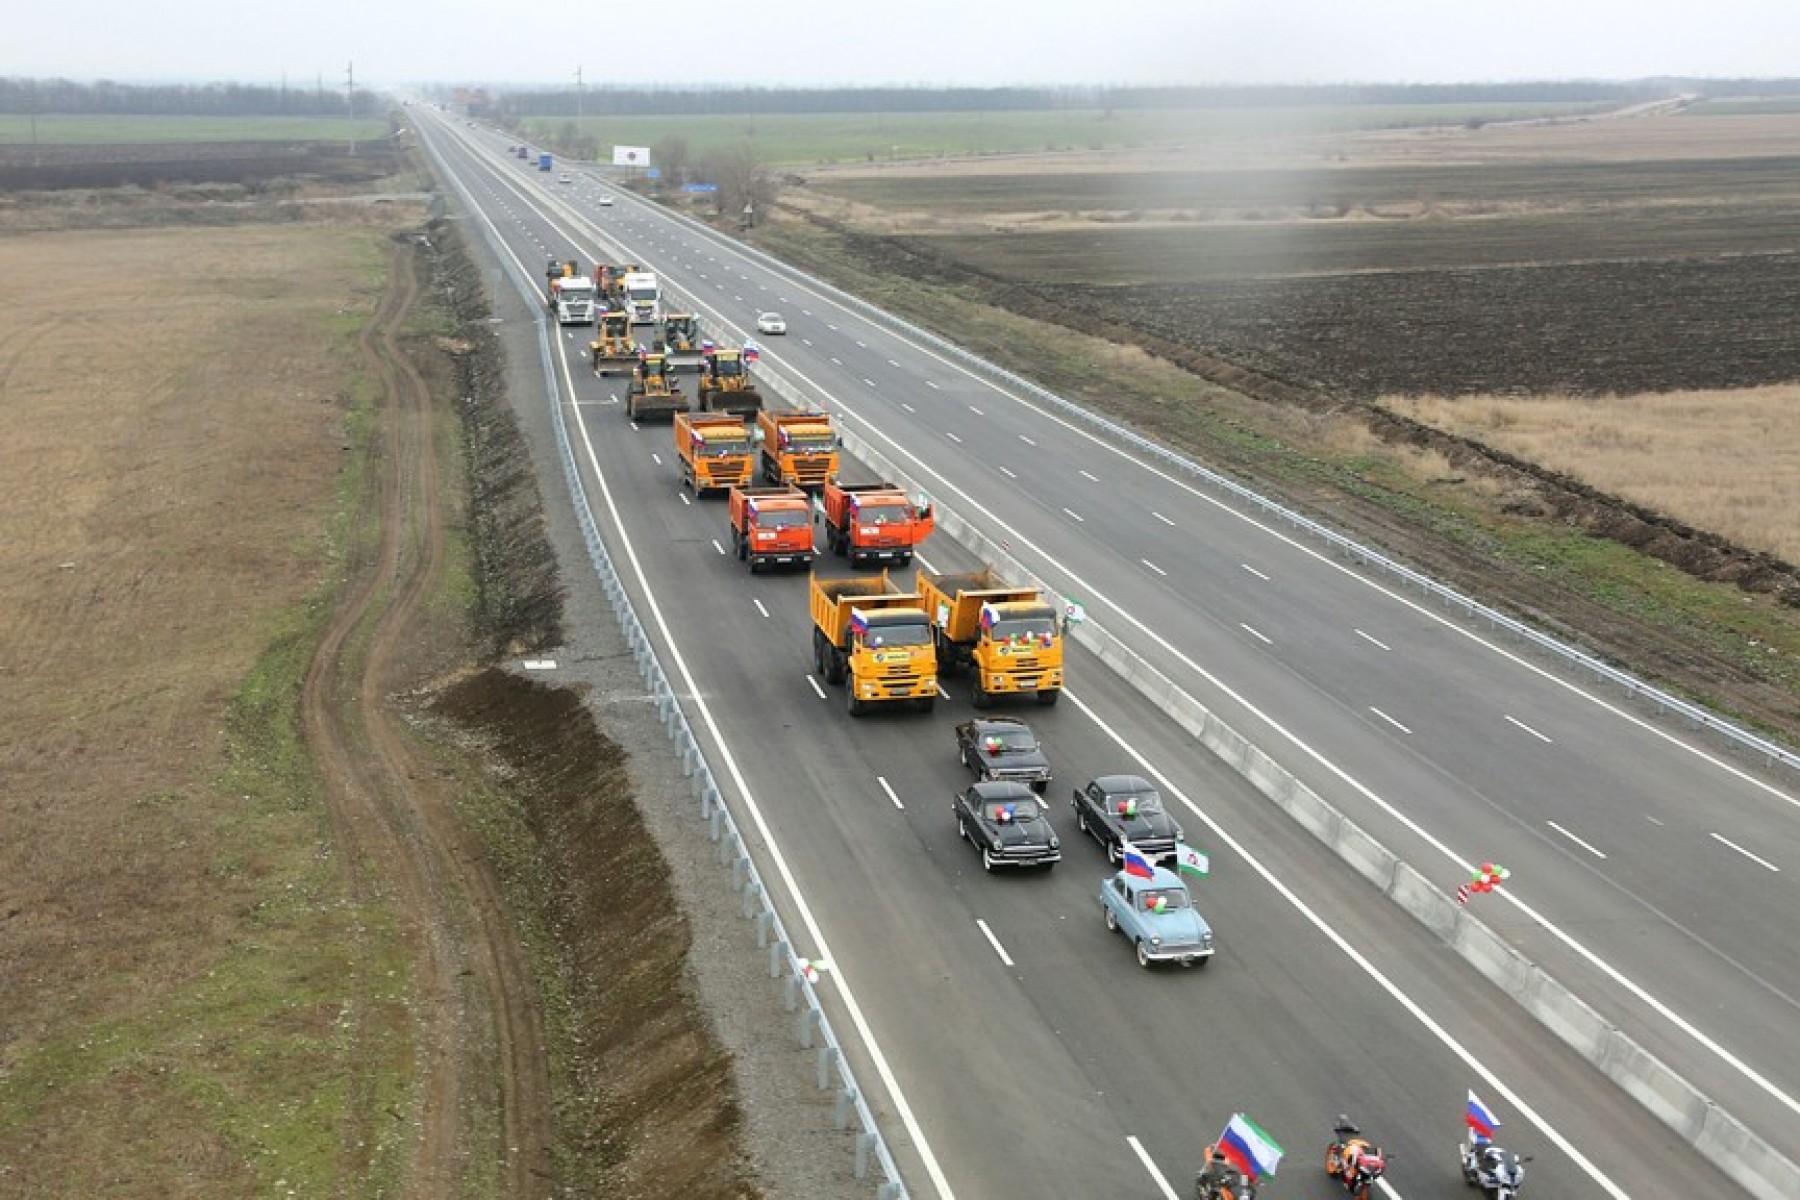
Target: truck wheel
{"type": "Point", "coordinates": [926, 703]}
{"type": "Point", "coordinates": [836, 541]}
{"type": "Point", "coordinates": [835, 666]}
{"type": "Point", "coordinates": [981, 697]}
{"type": "Point", "coordinates": [1048, 697]}
{"type": "Point", "coordinates": [856, 707]}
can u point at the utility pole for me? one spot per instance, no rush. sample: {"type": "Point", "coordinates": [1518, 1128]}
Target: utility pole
{"type": "Point", "coordinates": [350, 102]}
{"type": "Point", "coordinates": [579, 114]}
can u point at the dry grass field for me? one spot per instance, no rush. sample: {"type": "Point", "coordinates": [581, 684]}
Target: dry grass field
{"type": "Point", "coordinates": [172, 927]}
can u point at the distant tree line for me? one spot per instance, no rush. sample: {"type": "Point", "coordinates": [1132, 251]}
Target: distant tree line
{"type": "Point", "coordinates": [613, 101]}
{"type": "Point", "coordinates": [106, 98]}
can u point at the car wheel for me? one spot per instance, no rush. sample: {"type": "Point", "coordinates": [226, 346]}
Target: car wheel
{"type": "Point", "coordinates": [963, 753]}
{"type": "Point", "coordinates": [1112, 918]}
{"type": "Point", "coordinates": [962, 829]}
{"type": "Point", "coordinates": [1113, 853]}
{"type": "Point", "coordinates": [1143, 955]}
{"type": "Point", "coordinates": [988, 861]}
{"type": "Point", "coordinates": [1202, 961]}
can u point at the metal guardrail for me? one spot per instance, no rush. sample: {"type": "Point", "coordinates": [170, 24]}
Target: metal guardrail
{"type": "Point", "coordinates": [1772, 753]}
{"type": "Point", "coordinates": [812, 1027]}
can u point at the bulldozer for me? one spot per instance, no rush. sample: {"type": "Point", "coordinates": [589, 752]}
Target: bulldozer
{"type": "Point", "coordinates": [681, 341]}
{"type": "Point", "coordinates": [613, 349]}
{"type": "Point", "coordinates": [654, 391]}
{"type": "Point", "coordinates": [725, 385]}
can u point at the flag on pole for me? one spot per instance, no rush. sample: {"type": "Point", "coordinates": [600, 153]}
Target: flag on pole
{"type": "Point", "coordinates": [1248, 1148]}
{"type": "Point", "coordinates": [1481, 1122]}
{"type": "Point", "coordinates": [1190, 861]}
{"type": "Point", "coordinates": [1136, 865]}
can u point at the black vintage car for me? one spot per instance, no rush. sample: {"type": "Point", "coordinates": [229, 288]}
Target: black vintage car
{"type": "Point", "coordinates": [1125, 808]}
{"type": "Point", "coordinates": [1007, 823]}
{"type": "Point", "coordinates": [1003, 748]}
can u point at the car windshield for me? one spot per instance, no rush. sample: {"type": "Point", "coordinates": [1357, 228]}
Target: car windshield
{"type": "Point", "coordinates": [1007, 812]}
{"type": "Point", "coordinates": [781, 518]}
{"type": "Point", "coordinates": [1135, 803]}
{"type": "Point", "coordinates": [898, 635]}
{"type": "Point", "coordinates": [577, 294]}
{"type": "Point", "coordinates": [729, 367]}
{"type": "Point", "coordinates": [810, 445]}
{"type": "Point", "coordinates": [1168, 898]}
{"type": "Point", "coordinates": [883, 514]}
{"type": "Point", "coordinates": [1023, 629]}
{"type": "Point", "coordinates": [771, 318]}
{"type": "Point", "coordinates": [1009, 741]}
{"type": "Point", "coordinates": [643, 293]}
{"type": "Point", "coordinates": [723, 449]}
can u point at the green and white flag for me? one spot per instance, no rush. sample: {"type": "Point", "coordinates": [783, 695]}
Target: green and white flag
{"type": "Point", "coordinates": [1190, 861]}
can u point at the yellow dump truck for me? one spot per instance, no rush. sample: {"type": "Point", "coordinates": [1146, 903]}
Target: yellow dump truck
{"type": "Point", "coordinates": [1010, 635]}
{"type": "Point", "coordinates": [798, 448]}
{"type": "Point", "coordinates": [714, 449]}
{"type": "Point", "coordinates": [874, 638]}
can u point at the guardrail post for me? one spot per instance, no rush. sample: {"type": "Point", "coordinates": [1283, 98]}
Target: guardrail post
{"type": "Point", "coordinates": [778, 951]}
{"type": "Point", "coordinates": [889, 1190]}
{"type": "Point", "coordinates": [846, 1104]}
{"type": "Point", "coordinates": [828, 1056]}
{"type": "Point", "coordinates": [790, 993]}
{"type": "Point", "coordinates": [865, 1143]}
{"type": "Point", "coordinates": [809, 1021]}
{"type": "Point", "coordinates": [718, 819]}
{"type": "Point", "coordinates": [751, 888]}
{"type": "Point", "coordinates": [739, 870]}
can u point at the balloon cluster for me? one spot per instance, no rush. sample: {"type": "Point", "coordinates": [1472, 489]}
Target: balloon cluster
{"type": "Point", "coordinates": [1488, 877]}
{"type": "Point", "coordinates": [1159, 904]}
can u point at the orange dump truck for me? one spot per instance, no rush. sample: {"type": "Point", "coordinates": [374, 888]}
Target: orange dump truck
{"type": "Point", "coordinates": [874, 521]}
{"type": "Point", "coordinates": [715, 451]}
{"type": "Point", "coordinates": [771, 526]}
{"type": "Point", "coordinates": [875, 639]}
{"type": "Point", "coordinates": [798, 448]}
{"type": "Point", "coordinates": [1010, 636]}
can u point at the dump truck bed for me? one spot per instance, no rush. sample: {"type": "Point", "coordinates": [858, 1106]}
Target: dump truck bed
{"type": "Point", "coordinates": [954, 601]}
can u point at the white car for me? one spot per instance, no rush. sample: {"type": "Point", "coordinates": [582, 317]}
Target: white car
{"type": "Point", "coordinates": [770, 323]}
{"type": "Point", "coordinates": [565, 177]}
{"type": "Point", "coordinates": [605, 199]}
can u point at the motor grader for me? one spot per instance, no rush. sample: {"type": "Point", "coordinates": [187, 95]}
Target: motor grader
{"type": "Point", "coordinates": [613, 349]}
{"type": "Point", "coordinates": [725, 385]}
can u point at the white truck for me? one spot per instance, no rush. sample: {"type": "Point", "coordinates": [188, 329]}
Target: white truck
{"type": "Point", "coordinates": [643, 296]}
{"type": "Point", "coordinates": [570, 294]}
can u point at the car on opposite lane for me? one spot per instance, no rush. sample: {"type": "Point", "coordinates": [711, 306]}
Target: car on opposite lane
{"type": "Point", "coordinates": [1115, 809]}
{"type": "Point", "coordinates": [771, 323]}
{"type": "Point", "coordinates": [1003, 748]}
{"type": "Point", "coordinates": [1157, 915]}
{"type": "Point", "coordinates": [1006, 822]}
{"type": "Point", "coordinates": [606, 199]}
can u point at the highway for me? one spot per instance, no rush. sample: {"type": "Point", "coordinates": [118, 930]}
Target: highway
{"type": "Point", "coordinates": [1019, 1048]}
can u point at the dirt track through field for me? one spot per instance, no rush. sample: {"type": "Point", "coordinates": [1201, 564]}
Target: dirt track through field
{"type": "Point", "coordinates": [479, 1037]}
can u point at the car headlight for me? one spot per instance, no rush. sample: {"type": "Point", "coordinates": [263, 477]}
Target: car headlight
{"type": "Point", "coordinates": [1156, 941]}
{"type": "Point", "coordinates": [1055, 843]}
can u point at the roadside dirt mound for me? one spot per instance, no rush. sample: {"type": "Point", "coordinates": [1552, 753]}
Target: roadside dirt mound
{"type": "Point", "coordinates": [650, 1098]}
{"type": "Point", "coordinates": [25, 168]}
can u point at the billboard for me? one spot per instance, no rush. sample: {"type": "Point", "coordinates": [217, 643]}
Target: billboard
{"type": "Point", "coordinates": [631, 156]}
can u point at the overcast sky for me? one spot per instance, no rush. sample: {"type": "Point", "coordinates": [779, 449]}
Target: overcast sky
{"type": "Point", "coordinates": [962, 42]}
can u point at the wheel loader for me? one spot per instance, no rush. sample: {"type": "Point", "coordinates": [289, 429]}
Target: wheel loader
{"type": "Point", "coordinates": [725, 385]}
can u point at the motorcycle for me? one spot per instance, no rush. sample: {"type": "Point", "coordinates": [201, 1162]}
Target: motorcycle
{"type": "Point", "coordinates": [1353, 1160]}
{"type": "Point", "coordinates": [1499, 1173]}
{"type": "Point", "coordinates": [1219, 1180]}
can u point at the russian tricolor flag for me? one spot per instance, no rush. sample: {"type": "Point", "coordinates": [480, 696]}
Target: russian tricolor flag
{"type": "Point", "coordinates": [859, 623]}
{"type": "Point", "coordinates": [1248, 1148]}
{"type": "Point", "coordinates": [1136, 864]}
{"type": "Point", "coordinates": [1481, 1122]}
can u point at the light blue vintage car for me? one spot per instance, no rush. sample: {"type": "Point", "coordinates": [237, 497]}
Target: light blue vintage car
{"type": "Point", "coordinates": [1159, 917]}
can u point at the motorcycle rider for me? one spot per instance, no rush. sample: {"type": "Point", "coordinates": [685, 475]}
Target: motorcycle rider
{"type": "Point", "coordinates": [1352, 1158]}
{"type": "Point", "coordinates": [1219, 1180]}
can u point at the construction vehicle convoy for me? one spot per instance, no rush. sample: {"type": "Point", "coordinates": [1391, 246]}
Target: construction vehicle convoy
{"type": "Point", "coordinates": [714, 449]}
{"type": "Point", "coordinates": [771, 526]}
{"type": "Point", "coordinates": [798, 448]}
{"type": "Point", "coordinates": [569, 293]}
{"type": "Point", "coordinates": [654, 391]}
{"type": "Point", "coordinates": [681, 342]}
{"type": "Point", "coordinates": [874, 521]}
{"type": "Point", "coordinates": [1009, 635]}
{"type": "Point", "coordinates": [875, 638]}
{"type": "Point", "coordinates": [613, 349]}
{"type": "Point", "coordinates": [725, 384]}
